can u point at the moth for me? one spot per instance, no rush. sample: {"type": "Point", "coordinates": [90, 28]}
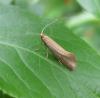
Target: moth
{"type": "Point", "coordinates": [66, 58]}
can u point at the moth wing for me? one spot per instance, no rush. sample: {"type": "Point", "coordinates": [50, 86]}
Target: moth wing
{"type": "Point", "coordinates": [69, 60]}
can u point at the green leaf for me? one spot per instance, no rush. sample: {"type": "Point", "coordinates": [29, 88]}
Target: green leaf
{"type": "Point", "coordinates": [26, 73]}
{"type": "Point", "coordinates": [3, 95]}
{"type": "Point", "coordinates": [92, 6]}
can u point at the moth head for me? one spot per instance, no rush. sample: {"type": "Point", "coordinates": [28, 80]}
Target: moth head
{"type": "Point", "coordinates": [42, 35]}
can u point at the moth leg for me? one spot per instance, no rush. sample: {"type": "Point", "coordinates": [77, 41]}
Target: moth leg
{"type": "Point", "coordinates": [60, 63]}
{"type": "Point", "coordinates": [40, 46]}
{"type": "Point", "coordinates": [45, 47]}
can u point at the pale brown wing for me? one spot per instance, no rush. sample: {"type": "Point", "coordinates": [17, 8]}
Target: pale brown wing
{"type": "Point", "coordinates": [68, 60]}
{"type": "Point", "coordinates": [65, 57]}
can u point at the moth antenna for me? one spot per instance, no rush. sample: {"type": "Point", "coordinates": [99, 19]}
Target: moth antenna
{"type": "Point", "coordinates": [48, 25]}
